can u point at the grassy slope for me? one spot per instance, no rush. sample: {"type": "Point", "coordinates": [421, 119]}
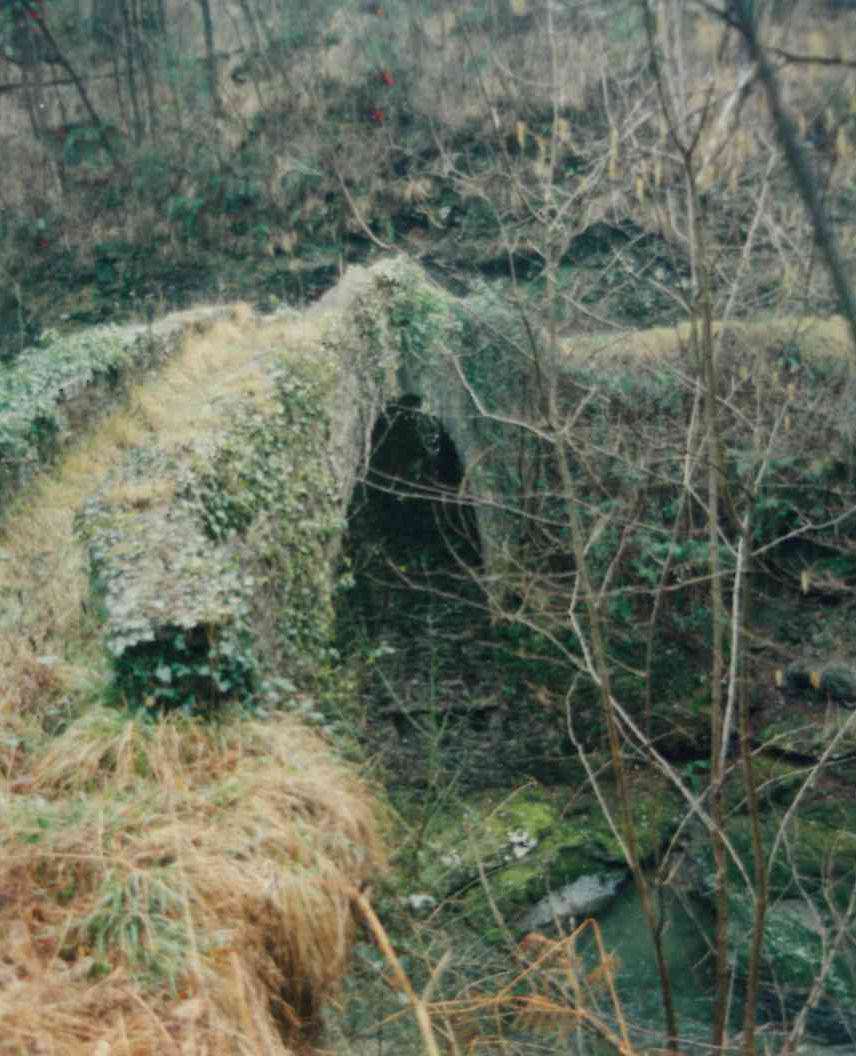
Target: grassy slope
{"type": "Point", "coordinates": [260, 211]}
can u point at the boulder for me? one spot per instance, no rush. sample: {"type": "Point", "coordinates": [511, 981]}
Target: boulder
{"type": "Point", "coordinates": [542, 862]}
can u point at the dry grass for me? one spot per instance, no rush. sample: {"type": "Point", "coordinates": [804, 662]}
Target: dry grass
{"type": "Point", "coordinates": [434, 59]}
{"type": "Point", "coordinates": [549, 993]}
{"type": "Point", "coordinates": [545, 991]}
{"type": "Point", "coordinates": [817, 339]}
{"type": "Point", "coordinates": [172, 887]}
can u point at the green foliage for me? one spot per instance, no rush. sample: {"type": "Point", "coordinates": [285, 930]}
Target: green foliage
{"type": "Point", "coordinates": [117, 274]}
{"type": "Point", "coordinates": [528, 656]}
{"type": "Point", "coordinates": [270, 483]}
{"type": "Point", "coordinates": [252, 525]}
{"type": "Point", "coordinates": [94, 145]}
{"type": "Point", "coordinates": [35, 393]}
{"type": "Point", "coordinates": [218, 197]}
{"type": "Point", "coordinates": [800, 489]}
{"type": "Point", "coordinates": [243, 478]}
{"type": "Point", "coordinates": [496, 343]}
{"type": "Point", "coordinates": [151, 176]}
{"type": "Point", "coordinates": [14, 8]}
{"type": "Point", "coordinates": [188, 670]}
{"type": "Point", "coordinates": [299, 25]}
{"type": "Point", "coordinates": [479, 220]}
{"type": "Point", "coordinates": [696, 774]}
{"type": "Point", "coordinates": [475, 16]}
{"type": "Point", "coordinates": [420, 319]}
{"type": "Point", "coordinates": [624, 24]}
{"type": "Point", "coordinates": [184, 211]}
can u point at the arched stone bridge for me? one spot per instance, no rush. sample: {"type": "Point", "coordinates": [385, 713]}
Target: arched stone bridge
{"type": "Point", "coordinates": [213, 559]}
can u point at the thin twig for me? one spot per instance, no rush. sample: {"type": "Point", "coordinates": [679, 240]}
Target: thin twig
{"type": "Point", "coordinates": [420, 1009]}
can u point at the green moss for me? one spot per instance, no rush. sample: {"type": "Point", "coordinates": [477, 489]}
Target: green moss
{"type": "Point", "coordinates": [808, 735]}
{"type": "Point", "coordinates": [37, 393]}
{"type": "Point", "coordinates": [528, 845]}
{"type": "Point", "coordinates": [776, 781]}
{"type": "Point", "coordinates": [792, 951]}
{"type": "Point", "coordinates": [816, 856]}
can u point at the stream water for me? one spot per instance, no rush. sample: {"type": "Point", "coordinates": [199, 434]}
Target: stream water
{"type": "Point", "coordinates": [686, 926]}
{"type": "Point", "coordinates": [432, 657]}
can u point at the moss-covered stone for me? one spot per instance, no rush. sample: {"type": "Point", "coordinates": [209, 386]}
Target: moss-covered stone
{"type": "Point", "coordinates": [809, 734]}
{"type": "Point", "coordinates": [777, 781]}
{"type": "Point", "coordinates": [212, 563]}
{"type": "Point", "coordinates": [816, 854]}
{"type": "Point", "coordinates": [406, 337]}
{"type": "Point", "coordinates": [58, 388]}
{"type": "Point", "coordinates": [797, 937]}
{"type": "Point", "coordinates": [527, 844]}
{"type": "Point", "coordinates": [811, 859]}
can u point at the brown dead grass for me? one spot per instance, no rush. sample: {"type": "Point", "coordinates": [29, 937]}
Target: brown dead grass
{"type": "Point", "coordinates": [549, 992]}
{"type": "Point", "coordinates": [173, 887]}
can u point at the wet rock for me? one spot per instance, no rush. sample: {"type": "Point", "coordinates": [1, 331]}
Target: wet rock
{"type": "Point", "coordinates": [585, 897]}
{"type": "Point", "coordinates": [811, 859]}
{"type": "Point", "coordinates": [537, 859]}
{"type": "Point", "coordinates": [797, 935]}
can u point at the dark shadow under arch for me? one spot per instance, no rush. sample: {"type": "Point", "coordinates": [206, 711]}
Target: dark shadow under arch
{"type": "Point", "coordinates": [409, 529]}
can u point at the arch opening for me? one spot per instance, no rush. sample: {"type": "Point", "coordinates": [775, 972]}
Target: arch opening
{"type": "Point", "coordinates": [441, 685]}
{"type": "Point", "coordinates": [411, 536]}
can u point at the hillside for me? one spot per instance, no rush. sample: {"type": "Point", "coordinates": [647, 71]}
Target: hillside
{"type": "Point", "coordinates": [258, 161]}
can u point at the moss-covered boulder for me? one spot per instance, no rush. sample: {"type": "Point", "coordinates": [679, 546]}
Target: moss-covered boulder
{"type": "Point", "coordinates": [532, 856]}
{"type": "Point", "coordinates": [797, 957]}
{"type": "Point", "coordinates": [809, 931]}
{"type": "Point", "coordinates": [809, 853]}
{"type": "Point", "coordinates": [809, 734]}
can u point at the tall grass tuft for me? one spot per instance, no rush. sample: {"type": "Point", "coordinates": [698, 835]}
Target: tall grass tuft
{"type": "Point", "coordinates": [171, 887]}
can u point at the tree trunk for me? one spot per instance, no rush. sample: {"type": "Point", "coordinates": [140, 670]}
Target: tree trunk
{"type": "Point", "coordinates": [210, 57]}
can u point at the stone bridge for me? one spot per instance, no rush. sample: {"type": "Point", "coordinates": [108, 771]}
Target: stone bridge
{"type": "Point", "coordinates": [213, 559]}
